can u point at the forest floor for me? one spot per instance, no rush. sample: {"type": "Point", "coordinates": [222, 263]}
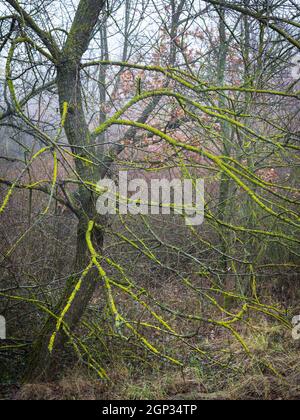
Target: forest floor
{"type": "Point", "coordinates": [241, 378]}
{"type": "Point", "coordinates": [246, 380]}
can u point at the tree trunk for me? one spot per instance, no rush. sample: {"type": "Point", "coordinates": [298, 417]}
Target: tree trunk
{"type": "Point", "coordinates": [225, 183]}
{"type": "Point", "coordinates": [43, 364]}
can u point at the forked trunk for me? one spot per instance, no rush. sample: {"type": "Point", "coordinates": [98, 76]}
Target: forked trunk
{"type": "Point", "coordinates": [44, 366]}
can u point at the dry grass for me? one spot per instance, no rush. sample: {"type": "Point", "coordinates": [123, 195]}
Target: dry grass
{"type": "Point", "coordinates": [244, 379]}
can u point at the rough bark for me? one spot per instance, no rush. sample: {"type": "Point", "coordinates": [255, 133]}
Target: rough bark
{"type": "Point", "coordinates": [225, 130]}
{"type": "Point", "coordinates": [43, 365]}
